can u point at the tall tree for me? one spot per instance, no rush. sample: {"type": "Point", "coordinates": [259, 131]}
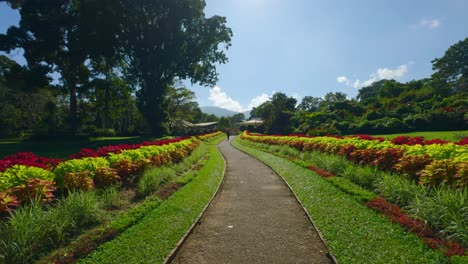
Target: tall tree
{"type": "Point", "coordinates": [162, 40]}
{"type": "Point", "coordinates": [276, 113]}
{"type": "Point", "coordinates": [309, 104]}
{"type": "Point", "coordinates": [51, 36]}
{"type": "Point", "coordinates": [452, 68]}
{"type": "Point", "coordinates": [180, 104]}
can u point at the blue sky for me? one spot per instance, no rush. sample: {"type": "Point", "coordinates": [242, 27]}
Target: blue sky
{"type": "Point", "coordinates": [311, 47]}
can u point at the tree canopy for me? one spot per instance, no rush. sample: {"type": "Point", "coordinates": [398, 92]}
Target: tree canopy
{"type": "Point", "coordinates": [149, 43]}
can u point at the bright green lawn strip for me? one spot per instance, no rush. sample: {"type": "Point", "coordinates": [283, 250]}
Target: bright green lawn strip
{"type": "Point", "coordinates": [355, 233]}
{"type": "Point", "coordinates": [444, 135]}
{"type": "Point", "coordinates": [358, 193]}
{"type": "Point", "coordinates": [151, 240]}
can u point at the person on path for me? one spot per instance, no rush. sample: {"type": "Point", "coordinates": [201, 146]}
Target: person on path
{"type": "Point", "coordinates": [227, 134]}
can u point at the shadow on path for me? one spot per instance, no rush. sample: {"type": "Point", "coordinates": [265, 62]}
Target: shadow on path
{"type": "Point", "coordinates": [253, 219]}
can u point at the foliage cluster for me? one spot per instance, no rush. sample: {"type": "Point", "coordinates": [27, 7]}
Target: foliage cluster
{"type": "Point", "coordinates": [383, 107]}
{"type": "Point", "coordinates": [86, 170]}
{"type": "Point", "coordinates": [340, 218]}
{"type": "Point", "coordinates": [421, 202]}
{"type": "Point", "coordinates": [430, 164]}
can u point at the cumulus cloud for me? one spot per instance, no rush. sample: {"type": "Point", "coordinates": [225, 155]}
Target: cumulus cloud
{"type": "Point", "coordinates": [256, 101]}
{"type": "Point", "coordinates": [430, 23]}
{"type": "Point", "coordinates": [379, 74]}
{"type": "Point", "coordinates": [343, 79]}
{"type": "Point", "coordinates": [221, 99]}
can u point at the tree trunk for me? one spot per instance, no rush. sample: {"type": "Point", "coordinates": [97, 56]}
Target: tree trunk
{"type": "Point", "coordinates": [151, 105]}
{"type": "Point", "coordinates": [107, 107]}
{"type": "Point", "coordinates": [73, 109]}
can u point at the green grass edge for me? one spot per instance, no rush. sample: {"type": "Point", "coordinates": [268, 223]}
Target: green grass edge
{"type": "Point", "coordinates": [354, 233]}
{"type": "Point", "coordinates": [152, 239]}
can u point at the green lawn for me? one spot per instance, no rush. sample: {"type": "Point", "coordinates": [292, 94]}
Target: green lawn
{"type": "Point", "coordinates": [152, 239]}
{"type": "Point", "coordinates": [60, 148]}
{"type": "Point", "coordinates": [444, 135]}
{"type": "Point", "coordinates": [355, 233]}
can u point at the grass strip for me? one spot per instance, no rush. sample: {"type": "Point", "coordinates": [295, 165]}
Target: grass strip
{"type": "Point", "coordinates": [151, 240]}
{"type": "Point", "coordinates": [354, 233]}
{"type": "Point", "coordinates": [444, 135]}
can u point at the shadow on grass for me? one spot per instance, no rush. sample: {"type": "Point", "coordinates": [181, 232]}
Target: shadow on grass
{"type": "Point", "coordinates": [61, 148]}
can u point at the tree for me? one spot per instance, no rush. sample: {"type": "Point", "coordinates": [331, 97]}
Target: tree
{"type": "Point", "coordinates": [237, 118]}
{"type": "Point", "coordinates": [452, 68]}
{"type": "Point", "coordinates": [163, 40]}
{"type": "Point", "coordinates": [390, 89]}
{"type": "Point", "coordinates": [224, 123]}
{"type": "Point", "coordinates": [276, 113]}
{"type": "Point", "coordinates": [24, 98]}
{"type": "Point", "coordinates": [309, 104]}
{"type": "Point", "coordinates": [180, 104]}
{"type": "Point", "coordinates": [368, 95]}
{"type": "Point", "coordinates": [51, 36]}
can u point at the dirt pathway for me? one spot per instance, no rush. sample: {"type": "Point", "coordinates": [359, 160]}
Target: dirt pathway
{"type": "Point", "coordinates": [253, 219]}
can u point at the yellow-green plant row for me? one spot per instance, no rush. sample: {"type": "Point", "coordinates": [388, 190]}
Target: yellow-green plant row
{"type": "Point", "coordinates": [430, 164]}
{"type": "Point", "coordinates": [86, 173]}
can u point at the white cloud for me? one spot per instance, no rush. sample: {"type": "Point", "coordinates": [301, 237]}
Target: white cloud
{"type": "Point", "coordinates": [430, 23]}
{"type": "Point", "coordinates": [256, 101]}
{"type": "Point", "coordinates": [343, 79]}
{"type": "Point", "coordinates": [221, 99]}
{"type": "Point", "coordinates": [379, 74]}
{"type": "Point", "coordinates": [386, 73]}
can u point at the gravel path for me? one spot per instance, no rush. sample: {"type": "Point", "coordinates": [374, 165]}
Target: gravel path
{"type": "Point", "coordinates": [253, 219]}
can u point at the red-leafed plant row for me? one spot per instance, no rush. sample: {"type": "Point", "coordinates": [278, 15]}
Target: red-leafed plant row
{"type": "Point", "coordinates": [28, 159]}
{"type": "Point", "coordinates": [400, 140]}
{"type": "Point", "coordinates": [31, 159]}
{"type": "Point", "coordinates": [417, 227]}
{"type": "Point", "coordinates": [429, 162]}
{"type": "Point", "coordinates": [24, 175]}
{"type": "Point", "coordinates": [384, 159]}
{"type": "Point", "coordinates": [103, 151]}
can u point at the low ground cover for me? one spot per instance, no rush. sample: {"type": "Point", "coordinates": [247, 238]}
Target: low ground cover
{"type": "Point", "coordinates": [422, 203]}
{"type": "Point", "coordinates": [105, 207]}
{"type": "Point", "coordinates": [354, 233]}
{"type": "Point", "coordinates": [162, 228]}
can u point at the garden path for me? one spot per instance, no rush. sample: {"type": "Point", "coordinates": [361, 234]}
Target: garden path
{"type": "Point", "coordinates": [254, 218]}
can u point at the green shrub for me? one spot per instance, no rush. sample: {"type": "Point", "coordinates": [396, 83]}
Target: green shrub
{"type": "Point", "coordinates": [109, 198]}
{"type": "Point", "coordinates": [399, 190]}
{"type": "Point", "coordinates": [445, 209]}
{"type": "Point", "coordinates": [19, 174]}
{"type": "Point", "coordinates": [105, 177]}
{"type": "Point", "coordinates": [33, 229]}
{"type": "Point", "coordinates": [459, 259]}
{"type": "Point", "coordinates": [78, 165]}
{"type": "Point", "coordinates": [153, 178]}
{"type": "Point", "coordinates": [78, 181]}
{"type": "Point", "coordinates": [364, 176]}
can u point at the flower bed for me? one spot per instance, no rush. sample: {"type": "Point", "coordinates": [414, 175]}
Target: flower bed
{"type": "Point", "coordinates": [429, 162]}
{"type": "Point", "coordinates": [434, 239]}
{"type": "Point", "coordinates": [25, 176]}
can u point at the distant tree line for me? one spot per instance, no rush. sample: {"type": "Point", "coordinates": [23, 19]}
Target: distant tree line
{"type": "Point", "coordinates": [387, 106]}
{"type": "Point", "coordinates": [117, 65]}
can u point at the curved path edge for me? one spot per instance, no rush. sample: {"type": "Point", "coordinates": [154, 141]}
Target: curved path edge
{"type": "Point", "coordinates": [184, 238]}
{"type": "Point", "coordinates": [329, 253]}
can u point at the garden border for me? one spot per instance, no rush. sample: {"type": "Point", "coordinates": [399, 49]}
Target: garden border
{"type": "Point", "coordinates": [329, 253]}
{"type": "Point", "coordinates": [184, 238]}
